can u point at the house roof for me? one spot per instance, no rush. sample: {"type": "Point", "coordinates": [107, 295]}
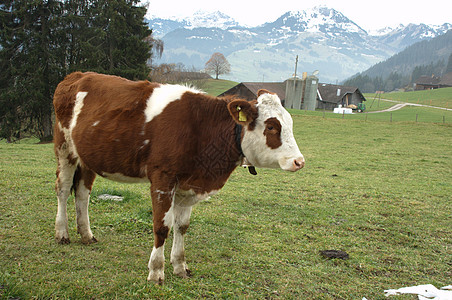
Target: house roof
{"type": "Point", "coordinates": [276, 87]}
{"type": "Point", "coordinates": [428, 80]}
{"type": "Point", "coordinates": [333, 93]}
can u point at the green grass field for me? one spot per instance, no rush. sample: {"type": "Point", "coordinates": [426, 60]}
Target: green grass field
{"type": "Point", "coordinates": [379, 191]}
{"type": "Point", "coordinates": [438, 97]}
{"type": "Point", "coordinates": [215, 87]}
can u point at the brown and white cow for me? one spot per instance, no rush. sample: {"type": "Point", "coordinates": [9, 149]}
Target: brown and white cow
{"type": "Point", "coordinates": [183, 141]}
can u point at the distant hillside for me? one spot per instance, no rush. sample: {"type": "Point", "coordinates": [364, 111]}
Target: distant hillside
{"type": "Point", "coordinates": [426, 57]}
{"type": "Point", "coordinates": [420, 53]}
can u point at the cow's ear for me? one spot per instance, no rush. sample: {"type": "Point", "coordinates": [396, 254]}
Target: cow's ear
{"type": "Point", "coordinates": [242, 111]}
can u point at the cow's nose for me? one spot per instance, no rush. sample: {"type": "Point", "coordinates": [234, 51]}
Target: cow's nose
{"type": "Point", "coordinates": [298, 163]}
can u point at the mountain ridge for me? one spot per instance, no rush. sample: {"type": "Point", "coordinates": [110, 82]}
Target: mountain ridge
{"type": "Point", "coordinates": [324, 38]}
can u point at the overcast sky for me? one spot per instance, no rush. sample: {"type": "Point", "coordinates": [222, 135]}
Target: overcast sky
{"type": "Point", "coordinates": [369, 15]}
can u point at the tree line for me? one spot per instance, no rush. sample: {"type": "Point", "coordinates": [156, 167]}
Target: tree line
{"type": "Point", "coordinates": [42, 41]}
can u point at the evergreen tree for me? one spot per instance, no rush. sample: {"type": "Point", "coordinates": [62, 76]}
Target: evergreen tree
{"type": "Point", "coordinates": [42, 41]}
{"type": "Point", "coordinates": [119, 39]}
{"type": "Point", "coordinates": [28, 67]}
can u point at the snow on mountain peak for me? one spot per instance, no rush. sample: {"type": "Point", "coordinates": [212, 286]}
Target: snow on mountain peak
{"type": "Point", "coordinates": [321, 19]}
{"type": "Point", "coordinates": [215, 19]}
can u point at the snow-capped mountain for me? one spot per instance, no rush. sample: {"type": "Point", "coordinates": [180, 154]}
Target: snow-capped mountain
{"type": "Point", "coordinates": [324, 39]}
{"type": "Point", "coordinates": [199, 19]}
{"type": "Point", "coordinates": [210, 20]}
{"type": "Point", "coordinates": [404, 36]}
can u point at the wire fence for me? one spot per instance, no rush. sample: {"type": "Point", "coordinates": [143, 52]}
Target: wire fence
{"type": "Point", "coordinates": [407, 113]}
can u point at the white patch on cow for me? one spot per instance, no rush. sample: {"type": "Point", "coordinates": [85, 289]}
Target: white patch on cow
{"type": "Point", "coordinates": [162, 96]}
{"type": "Point", "coordinates": [95, 123]}
{"type": "Point", "coordinates": [254, 142]}
{"type": "Point", "coordinates": [187, 198]}
{"type": "Point", "coordinates": [78, 105]}
{"type": "Point", "coordinates": [145, 142]}
{"type": "Point", "coordinates": [168, 219]}
{"type": "Point", "coordinates": [123, 178]}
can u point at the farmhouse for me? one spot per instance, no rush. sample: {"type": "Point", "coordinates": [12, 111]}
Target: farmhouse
{"type": "Point", "coordinates": [433, 82]}
{"type": "Point", "coordinates": [329, 96]}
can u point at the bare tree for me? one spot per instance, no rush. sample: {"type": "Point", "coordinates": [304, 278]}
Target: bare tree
{"type": "Point", "coordinates": [218, 65]}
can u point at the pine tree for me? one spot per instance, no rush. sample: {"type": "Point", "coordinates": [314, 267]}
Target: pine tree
{"type": "Point", "coordinates": [28, 67]}
{"type": "Point", "coordinates": [42, 41]}
{"type": "Point", "coordinates": [119, 39]}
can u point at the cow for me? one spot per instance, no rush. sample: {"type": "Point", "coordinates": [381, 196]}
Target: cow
{"type": "Point", "coordinates": [182, 141]}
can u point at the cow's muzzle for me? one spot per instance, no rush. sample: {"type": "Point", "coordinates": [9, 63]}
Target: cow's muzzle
{"type": "Point", "coordinates": [297, 164]}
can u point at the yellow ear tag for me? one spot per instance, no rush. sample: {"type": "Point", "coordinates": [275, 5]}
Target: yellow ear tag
{"type": "Point", "coordinates": [242, 116]}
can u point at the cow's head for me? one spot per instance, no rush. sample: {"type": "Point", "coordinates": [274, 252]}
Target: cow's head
{"type": "Point", "coordinates": [268, 140]}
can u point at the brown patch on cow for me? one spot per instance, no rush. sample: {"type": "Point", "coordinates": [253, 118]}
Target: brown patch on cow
{"type": "Point", "coordinates": [264, 91]}
{"type": "Point", "coordinates": [273, 133]}
{"type": "Point", "coordinates": [160, 236]}
{"type": "Point", "coordinates": [83, 173]}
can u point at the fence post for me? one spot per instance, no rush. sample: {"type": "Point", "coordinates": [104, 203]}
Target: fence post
{"type": "Point", "coordinates": [343, 114]}
{"type": "Point", "coordinates": [444, 119]}
{"type": "Point", "coordinates": [366, 117]}
{"type": "Point", "coordinates": [416, 117]}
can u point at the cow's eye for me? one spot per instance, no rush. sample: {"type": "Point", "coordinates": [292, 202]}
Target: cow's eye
{"type": "Point", "coordinates": [269, 127]}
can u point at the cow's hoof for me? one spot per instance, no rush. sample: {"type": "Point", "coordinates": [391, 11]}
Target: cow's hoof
{"type": "Point", "coordinates": [63, 240]}
{"type": "Point", "coordinates": [88, 241]}
{"type": "Point", "coordinates": [156, 277]}
{"type": "Point", "coordinates": [185, 273]}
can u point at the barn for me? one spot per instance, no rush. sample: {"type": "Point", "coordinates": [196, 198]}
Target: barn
{"type": "Point", "coordinates": [329, 96]}
{"type": "Point", "coordinates": [433, 82]}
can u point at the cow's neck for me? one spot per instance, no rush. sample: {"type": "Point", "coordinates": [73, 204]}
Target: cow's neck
{"type": "Point", "coordinates": [219, 151]}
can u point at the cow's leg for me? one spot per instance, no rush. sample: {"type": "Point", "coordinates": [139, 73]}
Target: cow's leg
{"type": "Point", "coordinates": [162, 193]}
{"type": "Point", "coordinates": [181, 221]}
{"type": "Point", "coordinates": [83, 183]}
{"type": "Point", "coordinates": [65, 175]}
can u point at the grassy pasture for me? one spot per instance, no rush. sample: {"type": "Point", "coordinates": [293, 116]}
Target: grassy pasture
{"type": "Point", "coordinates": [438, 97]}
{"type": "Point", "coordinates": [215, 87]}
{"type": "Point", "coordinates": [382, 195]}
{"type": "Point", "coordinates": [406, 114]}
